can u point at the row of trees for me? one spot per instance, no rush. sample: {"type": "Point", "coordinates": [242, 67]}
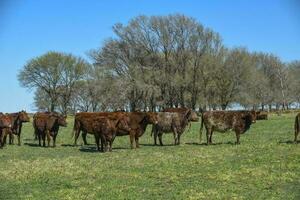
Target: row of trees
{"type": "Point", "coordinates": [162, 61]}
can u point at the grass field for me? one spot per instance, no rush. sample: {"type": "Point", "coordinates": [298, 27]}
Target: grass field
{"type": "Point", "coordinates": [266, 165]}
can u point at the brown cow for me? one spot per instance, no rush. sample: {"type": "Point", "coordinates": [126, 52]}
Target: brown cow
{"type": "Point", "coordinates": [47, 124]}
{"type": "Point", "coordinates": [17, 120]}
{"type": "Point", "coordinates": [137, 123]}
{"type": "Point", "coordinates": [5, 122]}
{"type": "Point", "coordinates": [253, 114]}
{"type": "Point", "coordinates": [105, 128]}
{"type": "Point", "coordinates": [223, 121]}
{"type": "Point", "coordinates": [297, 127]}
{"type": "Point", "coordinates": [171, 122]}
{"type": "Point", "coordinates": [84, 122]}
{"type": "Point", "coordinates": [261, 115]}
{"type": "Point", "coordinates": [193, 118]}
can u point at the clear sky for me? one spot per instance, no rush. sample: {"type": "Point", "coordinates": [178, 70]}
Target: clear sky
{"type": "Point", "coordinates": [29, 28]}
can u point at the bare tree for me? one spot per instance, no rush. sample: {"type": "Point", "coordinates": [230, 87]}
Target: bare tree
{"type": "Point", "coordinates": [53, 74]}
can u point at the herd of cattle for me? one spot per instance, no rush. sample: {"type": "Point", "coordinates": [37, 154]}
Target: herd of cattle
{"type": "Point", "coordinates": [105, 126]}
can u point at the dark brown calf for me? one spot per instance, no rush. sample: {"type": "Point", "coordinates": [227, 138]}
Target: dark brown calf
{"type": "Point", "coordinates": [5, 122]}
{"type": "Point", "coordinates": [105, 128]}
{"type": "Point", "coordinates": [84, 122]}
{"type": "Point", "coordinates": [137, 123]}
{"type": "Point", "coordinates": [222, 121]}
{"type": "Point", "coordinates": [297, 127]}
{"type": "Point", "coordinates": [17, 120]}
{"type": "Point", "coordinates": [47, 125]}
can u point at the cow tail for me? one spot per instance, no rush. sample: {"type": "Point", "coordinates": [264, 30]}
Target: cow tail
{"type": "Point", "coordinates": [297, 125]}
{"type": "Point", "coordinates": [201, 127]}
{"type": "Point", "coordinates": [152, 130]}
{"type": "Point", "coordinates": [190, 125]}
{"type": "Point", "coordinates": [74, 127]}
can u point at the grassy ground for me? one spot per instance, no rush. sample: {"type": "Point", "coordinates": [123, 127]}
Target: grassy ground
{"type": "Point", "coordinates": [266, 165]}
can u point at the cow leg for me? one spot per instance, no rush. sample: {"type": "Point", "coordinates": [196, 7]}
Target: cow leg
{"type": "Point", "coordinates": [110, 145]}
{"type": "Point", "coordinates": [103, 143]}
{"type": "Point", "coordinates": [11, 138]}
{"type": "Point", "coordinates": [77, 133]}
{"type": "Point", "coordinates": [175, 134]}
{"type": "Point", "coordinates": [210, 137]}
{"type": "Point", "coordinates": [296, 135]}
{"type": "Point", "coordinates": [19, 139]}
{"type": "Point", "coordinates": [107, 146]}
{"type": "Point", "coordinates": [112, 141]}
{"type": "Point", "coordinates": [131, 141]}
{"type": "Point", "coordinates": [155, 137]}
{"type": "Point", "coordinates": [132, 134]}
{"type": "Point", "coordinates": [54, 139]}
{"type": "Point", "coordinates": [178, 139]}
{"type": "Point", "coordinates": [1, 138]}
{"type": "Point", "coordinates": [39, 137]}
{"type": "Point", "coordinates": [4, 137]}
{"type": "Point", "coordinates": [84, 138]}
{"type": "Point", "coordinates": [208, 132]}
{"type": "Point", "coordinates": [137, 142]}
{"type": "Point", "coordinates": [97, 141]}
{"type": "Point", "coordinates": [160, 138]}
{"type": "Point", "coordinates": [48, 138]}
{"type": "Point", "coordinates": [237, 137]}
{"type": "Point", "coordinates": [175, 138]}
{"type": "Point", "coordinates": [44, 138]}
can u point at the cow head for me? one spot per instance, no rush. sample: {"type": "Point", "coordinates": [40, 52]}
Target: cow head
{"type": "Point", "coordinates": [253, 116]}
{"type": "Point", "coordinates": [194, 117]}
{"type": "Point", "coordinates": [188, 114]}
{"type": "Point", "coordinates": [152, 118]}
{"type": "Point", "coordinates": [62, 120]}
{"type": "Point", "coordinates": [23, 116]}
{"type": "Point", "coordinates": [5, 121]}
{"type": "Point", "coordinates": [247, 121]}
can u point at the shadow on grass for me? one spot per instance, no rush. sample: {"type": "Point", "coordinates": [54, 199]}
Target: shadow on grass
{"type": "Point", "coordinates": [32, 144]}
{"type": "Point", "coordinates": [87, 149]}
{"type": "Point", "coordinates": [120, 148]}
{"type": "Point", "coordinates": [204, 144]}
{"type": "Point", "coordinates": [70, 145]}
{"type": "Point", "coordinates": [29, 139]}
{"type": "Point", "coordinates": [158, 145]}
{"type": "Point", "coordinates": [288, 142]}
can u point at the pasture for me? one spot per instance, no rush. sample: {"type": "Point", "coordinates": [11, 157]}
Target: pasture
{"type": "Point", "coordinates": [266, 165]}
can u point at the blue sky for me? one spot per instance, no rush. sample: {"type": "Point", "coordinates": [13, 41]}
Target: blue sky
{"type": "Point", "coordinates": [29, 28]}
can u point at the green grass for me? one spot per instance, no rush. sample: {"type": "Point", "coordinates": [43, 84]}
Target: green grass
{"type": "Point", "coordinates": [266, 165]}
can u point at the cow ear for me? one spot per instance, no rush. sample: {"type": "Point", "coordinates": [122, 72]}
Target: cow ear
{"type": "Point", "coordinates": [52, 120]}
{"type": "Point", "coordinates": [188, 112]}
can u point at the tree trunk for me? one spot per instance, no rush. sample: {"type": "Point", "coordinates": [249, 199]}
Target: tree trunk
{"type": "Point", "coordinates": [52, 106]}
{"type": "Point", "coordinates": [223, 106]}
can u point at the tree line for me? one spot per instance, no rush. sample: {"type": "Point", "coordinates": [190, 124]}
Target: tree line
{"type": "Point", "coordinates": [157, 62]}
